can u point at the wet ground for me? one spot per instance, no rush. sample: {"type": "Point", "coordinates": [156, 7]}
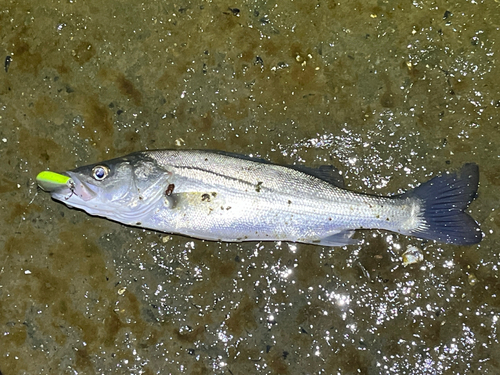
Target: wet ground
{"type": "Point", "coordinates": [390, 92]}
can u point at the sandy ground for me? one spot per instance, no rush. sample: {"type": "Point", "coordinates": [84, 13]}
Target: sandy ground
{"type": "Point", "coordinates": [390, 92]}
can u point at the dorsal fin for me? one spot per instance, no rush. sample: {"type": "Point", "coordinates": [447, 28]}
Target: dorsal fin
{"type": "Point", "coordinates": [327, 173]}
{"type": "Point", "coordinates": [241, 156]}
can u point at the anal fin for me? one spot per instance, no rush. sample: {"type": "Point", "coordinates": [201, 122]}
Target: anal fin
{"type": "Point", "coordinates": [337, 239]}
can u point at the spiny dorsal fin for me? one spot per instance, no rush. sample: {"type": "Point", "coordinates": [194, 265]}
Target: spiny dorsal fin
{"type": "Point", "coordinates": [326, 173]}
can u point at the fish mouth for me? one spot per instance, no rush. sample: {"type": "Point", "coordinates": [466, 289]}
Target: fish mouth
{"type": "Point", "coordinates": [63, 186]}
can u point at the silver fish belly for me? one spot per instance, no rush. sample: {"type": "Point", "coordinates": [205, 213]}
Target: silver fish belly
{"type": "Point", "coordinates": [218, 196]}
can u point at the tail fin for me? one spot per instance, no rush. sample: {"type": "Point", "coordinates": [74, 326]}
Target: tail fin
{"type": "Point", "coordinates": [444, 199]}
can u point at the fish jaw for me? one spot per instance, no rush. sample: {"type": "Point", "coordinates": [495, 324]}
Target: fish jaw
{"type": "Point", "coordinates": [68, 188]}
{"type": "Point", "coordinates": [75, 191]}
{"type": "Point", "coordinates": [64, 186]}
{"type": "Point", "coordinates": [82, 190]}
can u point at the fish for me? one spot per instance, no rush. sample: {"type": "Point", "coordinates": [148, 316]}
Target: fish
{"type": "Point", "coordinates": [221, 196]}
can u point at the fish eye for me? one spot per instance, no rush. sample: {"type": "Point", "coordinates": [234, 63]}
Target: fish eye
{"type": "Point", "coordinates": [100, 172]}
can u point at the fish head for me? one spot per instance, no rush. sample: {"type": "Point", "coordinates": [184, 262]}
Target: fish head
{"type": "Point", "coordinates": [123, 189]}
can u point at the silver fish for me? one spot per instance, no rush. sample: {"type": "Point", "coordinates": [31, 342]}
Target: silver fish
{"type": "Point", "coordinates": [226, 197]}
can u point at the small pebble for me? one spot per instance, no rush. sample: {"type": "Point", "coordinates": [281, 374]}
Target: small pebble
{"type": "Point", "coordinates": [412, 255]}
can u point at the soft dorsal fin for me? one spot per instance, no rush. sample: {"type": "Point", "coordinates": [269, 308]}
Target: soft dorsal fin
{"type": "Point", "coordinates": [326, 173]}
